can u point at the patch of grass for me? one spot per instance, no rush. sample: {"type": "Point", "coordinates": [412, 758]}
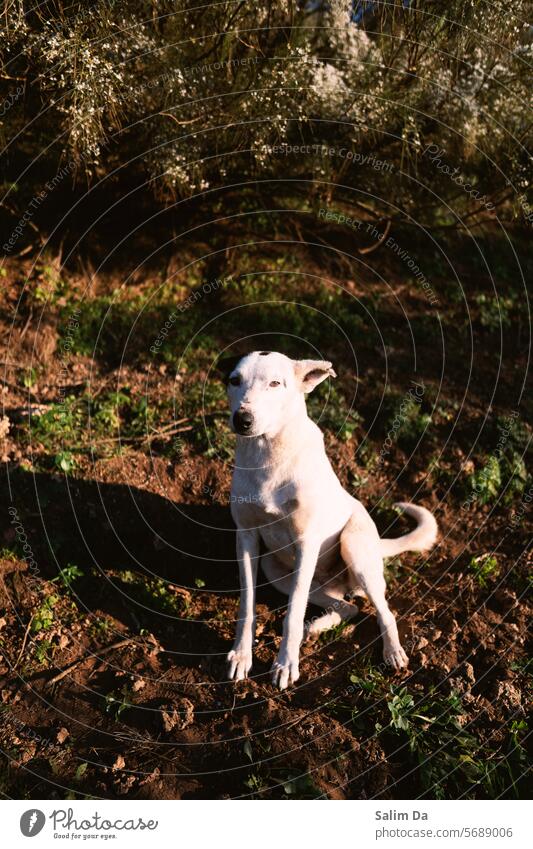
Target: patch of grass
{"type": "Point", "coordinates": [328, 407]}
{"type": "Point", "coordinates": [514, 475]}
{"type": "Point", "coordinates": [206, 406]}
{"type": "Point", "coordinates": [66, 461]}
{"type": "Point", "coordinates": [121, 327]}
{"type": "Point", "coordinates": [61, 425]}
{"type": "Point", "coordinates": [505, 771]}
{"type": "Point", "coordinates": [504, 474]}
{"type": "Point", "coordinates": [83, 424]}
{"type": "Point", "coordinates": [484, 567]}
{"type": "Point", "coordinates": [272, 304]}
{"type": "Point", "coordinates": [446, 756]}
{"type": "Point", "coordinates": [368, 456]}
{"type": "Point", "coordinates": [496, 312]}
{"type": "Point", "coordinates": [408, 422]}
{"type": "Point", "coordinates": [514, 430]}
{"type": "Point", "coordinates": [524, 666]}
{"type": "Point", "coordinates": [153, 593]}
{"type": "Point", "coordinates": [100, 626]}
{"type": "Point", "coordinates": [46, 285]}
{"type": "Point", "coordinates": [484, 484]}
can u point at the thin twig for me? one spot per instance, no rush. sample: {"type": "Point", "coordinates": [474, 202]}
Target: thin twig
{"type": "Point", "coordinates": [173, 424]}
{"type": "Point", "coordinates": [24, 642]}
{"type": "Point", "coordinates": [28, 322]}
{"type": "Point", "coordinates": [181, 123]}
{"type": "Point", "coordinates": [26, 250]}
{"type": "Point", "coordinates": [373, 248]}
{"type": "Point", "coordinates": [147, 438]}
{"type": "Point", "coordinates": [98, 654]}
{"type": "Point", "coordinates": [7, 77]}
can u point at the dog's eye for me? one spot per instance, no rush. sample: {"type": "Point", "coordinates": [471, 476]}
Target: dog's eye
{"type": "Point", "coordinates": [274, 383]}
{"type": "Point", "coordinates": [235, 381]}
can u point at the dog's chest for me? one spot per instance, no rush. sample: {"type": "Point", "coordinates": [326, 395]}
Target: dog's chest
{"type": "Point", "coordinates": [270, 513]}
{"type": "Point", "coordinates": [258, 500]}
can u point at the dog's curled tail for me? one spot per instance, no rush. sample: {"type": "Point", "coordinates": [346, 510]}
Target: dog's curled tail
{"type": "Point", "coordinates": [422, 538]}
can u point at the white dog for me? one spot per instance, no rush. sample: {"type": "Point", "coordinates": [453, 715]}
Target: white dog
{"type": "Point", "coordinates": [321, 543]}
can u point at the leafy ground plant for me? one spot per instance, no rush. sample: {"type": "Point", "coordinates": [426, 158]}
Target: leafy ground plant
{"type": "Point", "coordinates": [484, 567]}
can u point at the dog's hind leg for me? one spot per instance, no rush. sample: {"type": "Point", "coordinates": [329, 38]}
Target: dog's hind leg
{"type": "Point", "coordinates": [329, 596]}
{"type": "Point", "coordinates": [360, 551]}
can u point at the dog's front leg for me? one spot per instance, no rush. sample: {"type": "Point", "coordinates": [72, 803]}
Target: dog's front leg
{"type": "Point", "coordinates": [286, 669]}
{"type": "Point", "coordinates": [240, 657]}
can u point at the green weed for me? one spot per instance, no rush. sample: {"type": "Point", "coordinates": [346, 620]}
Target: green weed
{"type": "Point", "coordinates": [116, 704]}
{"type": "Point", "coordinates": [412, 422]}
{"type": "Point", "coordinates": [444, 757]}
{"type": "Point", "coordinates": [255, 783]}
{"type": "Point", "coordinates": [80, 771]}
{"type": "Point", "coordinates": [505, 474]}
{"type": "Point", "coordinates": [300, 787]}
{"type": "Point", "coordinates": [46, 286]}
{"type": "Point", "coordinates": [506, 770]}
{"type": "Point", "coordinates": [484, 567]}
{"type": "Point", "coordinates": [153, 593]}
{"type": "Point", "coordinates": [333, 633]}
{"type": "Point", "coordinates": [68, 575]}
{"type": "Point", "coordinates": [42, 652]}
{"type": "Point", "coordinates": [43, 617]}
{"type": "Point", "coordinates": [496, 312]}
{"type": "Point", "coordinates": [445, 754]}
{"type": "Point", "coordinates": [29, 377]}
{"type": "Point", "coordinates": [81, 425]}
{"type": "Point", "coordinates": [371, 681]}
{"type": "Point", "coordinates": [65, 461]}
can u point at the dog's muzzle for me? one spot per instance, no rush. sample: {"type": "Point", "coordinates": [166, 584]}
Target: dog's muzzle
{"type": "Point", "coordinates": [242, 422]}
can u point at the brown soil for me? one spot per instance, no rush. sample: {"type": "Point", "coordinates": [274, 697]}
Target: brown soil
{"type": "Point", "coordinates": [185, 732]}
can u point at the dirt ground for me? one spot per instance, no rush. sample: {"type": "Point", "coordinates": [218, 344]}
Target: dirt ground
{"type": "Point", "coordinates": [113, 669]}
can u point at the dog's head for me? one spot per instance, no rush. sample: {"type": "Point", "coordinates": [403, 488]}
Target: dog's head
{"type": "Point", "coordinates": [266, 389]}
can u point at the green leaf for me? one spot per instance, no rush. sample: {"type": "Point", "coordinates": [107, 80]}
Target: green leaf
{"type": "Point", "coordinates": [81, 770]}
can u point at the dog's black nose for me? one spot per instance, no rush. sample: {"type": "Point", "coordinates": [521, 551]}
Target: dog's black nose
{"type": "Point", "coordinates": [242, 421]}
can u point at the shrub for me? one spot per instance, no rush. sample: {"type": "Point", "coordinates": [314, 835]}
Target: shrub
{"type": "Point", "coordinates": [192, 99]}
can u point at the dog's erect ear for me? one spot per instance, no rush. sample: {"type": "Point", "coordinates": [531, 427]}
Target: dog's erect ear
{"type": "Point", "coordinates": [225, 366]}
{"type": "Point", "coordinates": [309, 373]}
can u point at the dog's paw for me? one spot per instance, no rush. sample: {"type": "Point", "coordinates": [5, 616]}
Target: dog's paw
{"type": "Point", "coordinates": [323, 623]}
{"type": "Point", "coordinates": [239, 663]}
{"type": "Point", "coordinates": [396, 657]}
{"type": "Point", "coordinates": [311, 634]}
{"type": "Point", "coordinates": [314, 629]}
{"type": "Point", "coordinates": [285, 671]}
